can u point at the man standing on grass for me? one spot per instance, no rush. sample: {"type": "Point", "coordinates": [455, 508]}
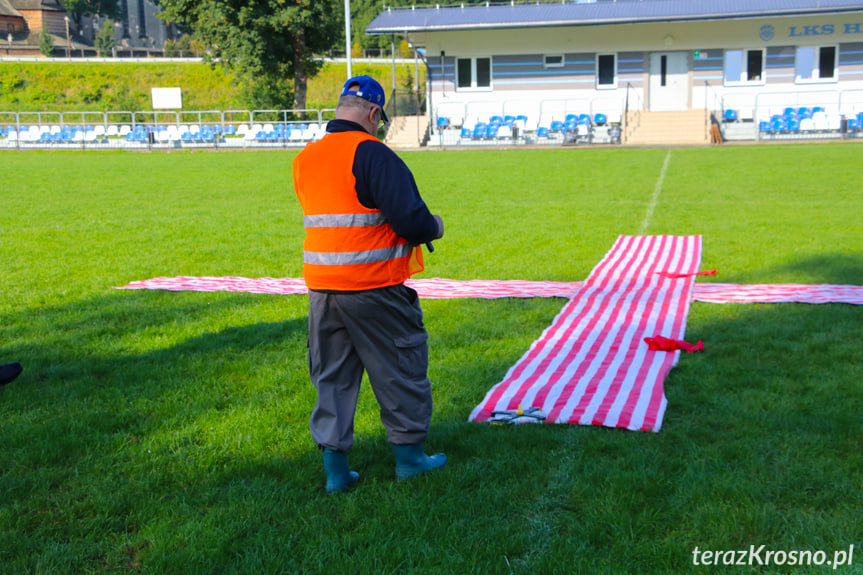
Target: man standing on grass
{"type": "Point", "coordinates": [364, 221]}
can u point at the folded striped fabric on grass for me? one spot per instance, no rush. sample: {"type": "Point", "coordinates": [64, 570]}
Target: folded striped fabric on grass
{"type": "Point", "coordinates": [778, 293]}
{"type": "Point", "coordinates": [437, 288]}
{"type": "Point", "coordinates": [591, 366]}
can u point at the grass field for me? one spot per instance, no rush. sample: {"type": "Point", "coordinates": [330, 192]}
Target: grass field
{"type": "Point", "coordinates": [166, 432]}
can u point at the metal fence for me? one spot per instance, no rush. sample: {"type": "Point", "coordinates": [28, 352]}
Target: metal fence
{"type": "Point", "coordinates": [155, 129]}
{"type": "Point", "coordinates": [91, 130]}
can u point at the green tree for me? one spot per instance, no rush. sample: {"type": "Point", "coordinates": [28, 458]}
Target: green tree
{"type": "Point", "coordinates": [362, 13]}
{"type": "Point", "coordinates": [105, 38]}
{"type": "Point", "coordinates": [46, 43]}
{"type": "Point", "coordinates": [265, 41]}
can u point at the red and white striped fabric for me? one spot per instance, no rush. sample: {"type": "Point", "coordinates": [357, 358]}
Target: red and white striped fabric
{"type": "Point", "coordinates": [778, 293]}
{"type": "Point", "coordinates": [426, 288]}
{"type": "Point", "coordinates": [591, 366]}
{"type": "Point", "coordinates": [437, 288]}
{"type": "Point", "coordinates": [281, 286]}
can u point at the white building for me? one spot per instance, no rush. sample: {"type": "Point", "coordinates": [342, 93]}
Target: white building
{"type": "Point", "coordinates": [549, 61]}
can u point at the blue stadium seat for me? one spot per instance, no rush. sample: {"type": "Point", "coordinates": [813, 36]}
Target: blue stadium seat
{"type": "Point", "coordinates": [491, 130]}
{"type": "Point", "coordinates": [496, 120]}
{"type": "Point", "coordinates": [778, 124]}
{"type": "Point", "coordinates": [479, 130]}
{"type": "Point", "coordinates": [542, 132]}
{"type": "Point", "coordinates": [790, 112]}
{"type": "Point", "coordinates": [817, 109]}
{"type": "Point", "coordinates": [764, 126]}
{"type": "Point", "coordinates": [584, 119]}
{"type": "Point", "coordinates": [570, 118]}
{"type": "Point", "coordinates": [730, 115]}
{"type": "Point", "coordinates": [508, 120]}
{"type": "Point", "coordinates": [556, 126]}
{"type": "Point", "coordinates": [853, 124]}
{"type": "Point", "coordinates": [804, 113]}
{"type": "Point", "coordinates": [466, 132]}
{"type": "Point", "coordinates": [442, 123]}
{"type": "Point", "coordinates": [600, 119]}
{"type": "Point", "coordinates": [793, 124]}
{"type": "Point", "coordinates": [230, 130]}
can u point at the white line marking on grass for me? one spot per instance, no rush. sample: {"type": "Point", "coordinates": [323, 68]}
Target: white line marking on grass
{"type": "Point", "coordinates": [656, 191]}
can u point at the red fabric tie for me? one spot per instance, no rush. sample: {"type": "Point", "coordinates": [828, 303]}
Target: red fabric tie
{"type": "Point", "coordinates": [673, 275]}
{"type": "Point", "coordinates": [659, 343]}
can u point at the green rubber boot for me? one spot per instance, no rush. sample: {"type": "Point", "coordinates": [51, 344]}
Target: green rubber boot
{"type": "Point", "coordinates": [411, 461]}
{"type": "Point", "coordinates": [339, 477]}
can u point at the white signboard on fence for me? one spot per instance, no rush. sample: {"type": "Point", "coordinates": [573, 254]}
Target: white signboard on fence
{"type": "Point", "coordinates": [167, 98]}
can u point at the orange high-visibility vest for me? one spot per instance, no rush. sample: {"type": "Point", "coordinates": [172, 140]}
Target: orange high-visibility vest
{"type": "Point", "coordinates": [348, 247]}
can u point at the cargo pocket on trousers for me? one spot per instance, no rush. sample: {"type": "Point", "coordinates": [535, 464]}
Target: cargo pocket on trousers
{"type": "Point", "coordinates": [413, 355]}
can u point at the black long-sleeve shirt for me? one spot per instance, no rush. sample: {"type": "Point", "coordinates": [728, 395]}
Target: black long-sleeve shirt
{"type": "Point", "coordinates": [385, 183]}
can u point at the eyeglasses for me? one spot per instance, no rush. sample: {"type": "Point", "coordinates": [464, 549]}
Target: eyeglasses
{"type": "Point", "coordinates": [381, 123]}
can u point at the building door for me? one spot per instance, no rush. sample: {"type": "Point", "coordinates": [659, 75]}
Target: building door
{"type": "Point", "coordinates": [669, 81]}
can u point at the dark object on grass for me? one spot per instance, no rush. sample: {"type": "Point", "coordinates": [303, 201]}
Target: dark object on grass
{"type": "Point", "coordinates": [9, 372]}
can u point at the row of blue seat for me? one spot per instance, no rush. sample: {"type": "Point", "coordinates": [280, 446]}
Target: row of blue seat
{"type": "Point", "coordinates": [481, 131]}
{"type": "Point", "coordinates": [216, 129]}
{"type": "Point", "coordinates": [488, 131]}
{"type": "Point", "coordinates": [799, 113]}
{"type": "Point", "coordinates": [444, 122]}
{"type": "Point", "coordinates": [6, 130]}
{"type": "Point", "coordinates": [275, 136]}
{"type": "Point", "coordinates": [62, 136]}
{"type": "Point", "coordinates": [556, 126]}
{"type": "Point", "coordinates": [792, 123]}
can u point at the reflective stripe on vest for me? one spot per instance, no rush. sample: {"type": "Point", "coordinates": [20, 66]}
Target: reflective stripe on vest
{"type": "Point", "coordinates": [350, 258]}
{"type": "Point", "coordinates": [343, 220]}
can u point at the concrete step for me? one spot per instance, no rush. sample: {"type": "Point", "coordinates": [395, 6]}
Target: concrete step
{"type": "Point", "coordinates": [407, 131]}
{"type": "Point", "coordinates": [667, 128]}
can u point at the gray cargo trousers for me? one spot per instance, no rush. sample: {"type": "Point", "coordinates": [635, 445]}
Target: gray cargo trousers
{"type": "Point", "coordinates": [380, 331]}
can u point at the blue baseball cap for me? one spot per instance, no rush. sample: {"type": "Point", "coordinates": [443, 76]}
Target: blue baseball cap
{"type": "Point", "coordinates": [369, 89]}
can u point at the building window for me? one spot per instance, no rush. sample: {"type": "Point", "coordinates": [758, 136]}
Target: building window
{"type": "Point", "coordinates": [815, 64]}
{"type": "Point", "coordinates": [744, 67]}
{"type": "Point", "coordinates": [553, 61]}
{"type": "Point", "coordinates": [473, 73]}
{"type": "Point", "coordinates": [606, 71]}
